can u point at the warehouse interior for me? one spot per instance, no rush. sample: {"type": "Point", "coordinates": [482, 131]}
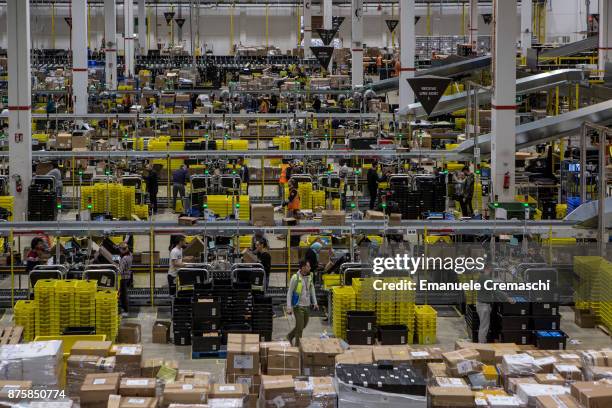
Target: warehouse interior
{"type": "Point", "coordinates": [297, 203]}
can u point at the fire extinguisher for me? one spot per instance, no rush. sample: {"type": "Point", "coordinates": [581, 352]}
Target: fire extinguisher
{"type": "Point", "coordinates": [18, 183]}
{"type": "Point", "coordinates": [507, 180]}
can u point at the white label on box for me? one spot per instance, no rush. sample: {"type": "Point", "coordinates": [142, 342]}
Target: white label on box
{"type": "Point", "coordinates": [523, 312]}
{"type": "Point", "coordinates": [99, 381]}
{"type": "Point", "coordinates": [187, 386]}
{"type": "Point", "coordinates": [566, 368]}
{"type": "Point", "coordinates": [452, 382]}
{"type": "Point", "coordinates": [569, 356]}
{"type": "Point", "coordinates": [523, 327]}
{"type": "Point", "coordinates": [245, 380]}
{"type": "Point", "coordinates": [419, 353]}
{"type": "Point", "coordinates": [464, 366]}
{"type": "Point", "coordinates": [402, 339]}
{"type": "Point", "coordinates": [481, 402]}
{"type": "Point", "coordinates": [130, 350]}
{"type": "Point", "coordinates": [546, 306]}
{"type": "Point", "coordinates": [137, 382]}
{"type": "Point", "coordinates": [524, 340]}
{"type": "Point", "coordinates": [369, 325]}
{"type": "Point", "coordinates": [243, 361]}
{"type": "Point", "coordinates": [213, 311]}
{"type": "Point", "coordinates": [551, 377]}
{"type": "Point", "coordinates": [136, 401]}
{"type": "Point", "coordinates": [224, 388]}
{"type": "Point", "coordinates": [278, 401]}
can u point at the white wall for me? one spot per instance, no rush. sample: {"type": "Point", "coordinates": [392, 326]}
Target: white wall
{"type": "Point", "coordinates": [565, 18]}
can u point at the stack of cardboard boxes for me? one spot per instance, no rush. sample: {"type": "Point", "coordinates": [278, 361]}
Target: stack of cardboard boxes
{"type": "Point", "coordinates": [284, 390]}
{"type": "Point", "coordinates": [319, 356]}
{"type": "Point", "coordinates": [128, 359]}
{"type": "Point", "coordinates": [242, 364]}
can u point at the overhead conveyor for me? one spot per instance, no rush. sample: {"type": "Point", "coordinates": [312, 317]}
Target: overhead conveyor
{"type": "Point", "coordinates": [524, 86]}
{"type": "Point", "coordinates": [547, 129]}
{"type": "Point", "coordinates": [573, 48]}
{"type": "Point", "coordinates": [452, 70]}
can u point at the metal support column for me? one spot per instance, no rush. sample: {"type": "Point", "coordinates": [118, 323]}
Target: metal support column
{"type": "Point", "coordinates": [605, 35]}
{"type": "Point", "coordinates": [19, 104]}
{"type": "Point", "coordinates": [356, 43]}
{"type": "Point", "coordinates": [307, 28]}
{"type": "Point", "coordinates": [503, 102]}
{"type": "Point", "coordinates": [473, 25]}
{"type": "Point", "coordinates": [407, 51]}
{"type": "Point", "coordinates": [526, 23]}
{"type": "Point", "coordinates": [79, 56]}
{"type": "Point", "coordinates": [110, 43]}
{"type": "Point", "coordinates": [327, 23]}
{"type": "Point", "coordinates": [128, 37]}
{"type": "Point", "coordinates": [142, 27]}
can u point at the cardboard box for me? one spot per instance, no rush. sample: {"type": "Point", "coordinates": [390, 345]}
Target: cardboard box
{"type": "Point", "coordinates": [511, 384]}
{"type": "Point", "coordinates": [137, 387]}
{"type": "Point", "coordinates": [63, 141]}
{"type": "Point", "coordinates": [243, 338]}
{"type": "Point", "coordinates": [333, 217]}
{"type": "Point", "coordinates": [6, 386]}
{"type": "Point", "coordinates": [528, 392]}
{"type": "Point", "coordinates": [129, 333]}
{"type": "Point", "coordinates": [283, 358]}
{"type": "Point", "coordinates": [229, 391]}
{"type": "Point", "coordinates": [450, 397]}
{"type": "Point", "coordinates": [128, 359]}
{"type": "Point", "coordinates": [146, 257]}
{"type": "Point", "coordinates": [194, 377]}
{"type": "Point", "coordinates": [264, 346]}
{"type": "Point", "coordinates": [550, 379]}
{"type": "Point", "coordinates": [91, 348]}
{"type": "Point", "coordinates": [449, 382]}
{"type": "Point", "coordinates": [253, 382]}
{"type": "Point", "coordinates": [242, 358]}
{"type": "Point", "coordinates": [262, 215]}
{"type": "Point", "coordinates": [592, 394]}
{"type": "Point", "coordinates": [356, 356]}
{"type": "Point", "coordinates": [96, 388]}
{"type": "Point", "coordinates": [187, 220]}
{"type": "Point", "coordinates": [374, 215]}
{"type": "Point", "coordinates": [556, 401]}
{"type": "Point", "coordinates": [584, 318]}
{"type": "Point", "coordinates": [436, 370]}
{"type": "Point", "coordinates": [184, 393]}
{"type": "Point", "coordinates": [462, 362]}
{"type": "Point", "coordinates": [78, 366]}
{"type": "Point", "coordinates": [279, 387]}
{"type": "Point", "coordinates": [320, 352]}
{"type": "Point", "coordinates": [80, 142]}
{"type": "Point", "coordinates": [161, 332]}
{"type": "Point", "coordinates": [568, 371]}
{"type": "Point", "coordinates": [194, 248]}
{"type": "Point", "coordinates": [138, 402]}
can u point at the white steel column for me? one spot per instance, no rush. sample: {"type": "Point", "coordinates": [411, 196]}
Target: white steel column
{"type": "Point", "coordinates": [503, 103]}
{"type": "Point", "coordinates": [79, 56]}
{"type": "Point", "coordinates": [407, 50]}
{"type": "Point", "coordinates": [307, 13]}
{"type": "Point", "coordinates": [20, 104]}
{"type": "Point", "coordinates": [327, 24]}
{"type": "Point", "coordinates": [128, 37]}
{"type": "Point", "coordinates": [605, 34]}
{"type": "Point", "coordinates": [110, 42]}
{"type": "Point", "coordinates": [142, 27]}
{"type": "Point", "coordinates": [356, 43]}
{"type": "Point", "coordinates": [526, 20]}
{"type": "Point", "coordinates": [243, 26]}
{"type": "Point", "coordinates": [473, 25]}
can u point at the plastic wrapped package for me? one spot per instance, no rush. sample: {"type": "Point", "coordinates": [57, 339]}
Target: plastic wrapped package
{"type": "Point", "coordinates": [39, 362]}
{"type": "Point", "coordinates": [519, 365]}
{"type": "Point", "coordinates": [352, 396]}
{"type": "Point", "coordinates": [601, 358]}
{"type": "Point", "coordinates": [596, 373]}
{"type": "Point", "coordinates": [77, 367]}
{"type": "Point", "coordinates": [225, 403]}
{"type": "Point", "coordinates": [527, 393]}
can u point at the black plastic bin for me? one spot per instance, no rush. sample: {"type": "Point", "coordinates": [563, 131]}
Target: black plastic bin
{"type": "Point", "coordinates": [206, 342]}
{"type": "Point", "coordinates": [519, 308]}
{"type": "Point", "coordinates": [360, 320]}
{"type": "Point", "coordinates": [545, 308]}
{"type": "Point", "coordinates": [393, 334]}
{"type": "Point", "coordinates": [79, 330]}
{"type": "Point", "coordinates": [521, 337]}
{"type": "Point", "coordinates": [546, 322]}
{"type": "Point", "coordinates": [513, 323]}
{"type": "Point", "coordinates": [361, 337]}
{"type": "Point", "coordinates": [550, 339]}
{"type": "Point", "coordinates": [206, 308]}
{"type": "Point", "coordinates": [182, 337]}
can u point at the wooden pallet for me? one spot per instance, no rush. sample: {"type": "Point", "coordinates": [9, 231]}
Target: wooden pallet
{"type": "Point", "coordinates": [10, 334]}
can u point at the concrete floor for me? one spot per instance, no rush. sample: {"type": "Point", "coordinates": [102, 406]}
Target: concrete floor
{"type": "Point", "coordinates": [450, 329]}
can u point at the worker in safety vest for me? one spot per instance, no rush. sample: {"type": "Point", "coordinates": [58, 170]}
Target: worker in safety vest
{"type": "Point", "coordinates": [301, 297]}
{"type": "Point", "coordinates": [293, 203]}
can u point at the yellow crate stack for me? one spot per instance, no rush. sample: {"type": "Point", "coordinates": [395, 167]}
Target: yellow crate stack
{"type": "Point", "coordinates": [343, 300]}
{"type": "Point", "coordinates": [318, 199]}
{"type": "Point", "coordinates": [405, 310]}
{"type": "Point", "coordinates": [606, 295]}
{"type": "Point", "coordinates": [8, 202]}
{"type": "Point", "coordinates": [223, 205]}
{"type": "Point", "coordinates": [107, 317]}
{"type": "Point", "coordinates": [117, 199]}
{"type": "Point", "coordinates": [232, 144]}
{"type": "Point", "coordinates": [426, 324]}
{"type": "Point", "coordinates": [365, 296]}
{"type": "Point", "coordinates": [470, 295]}
{"type": "Point", "coordinates": [141, 211]}
{"type": "Point", "coordinates": [586, 286]}
{"type": "Point", "coordinates": [25, 316]}
{"type": "Point", "coordinates": [244, 241]}
{"type": "Point", "coordinates": [385, 305]}
{"type": "Point", "coordinates": [64, 303]}
{"type": "Point", "coordinates": [46, 315]}
{"type": "Point", "coordinates": [336, 204]}
{"type": "Point", "coordinates": [305, 191]}
{"type": "Point", "coordinates": [85, 302]}
{"type": "Point", "coordinates": [283, 142]}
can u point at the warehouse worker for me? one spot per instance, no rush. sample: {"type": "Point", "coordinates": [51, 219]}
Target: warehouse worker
{"type": "Point", "coordinates": [56, 173]}
{"type": "Point", "coordinates": [264, 258]}
{"type": "Point", "coordinates": [125, 272]}
{"type": "Point", "coordinates": [244, 173]}
{"type": "Point", "coordinates": [34, 256]}
{"type": "Point", "coordinates": [301, 297]}
{"type": "Point", "coordinates": [373, 179]}
{"type": "Point", "coordinates": [293, 203]}
{"type": "Point", "coordinates": [468, 193]}
{"type": "Point", "coordinates": [483, 303]}
{"type": "Point", "coordinates": [152, 180]}
{"type": "Point", "coordinates": [179, 180]}
{"type": "Point", "coordinates": [312, 254]}
{"type": "Point", "coordinates": [177, 244]}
